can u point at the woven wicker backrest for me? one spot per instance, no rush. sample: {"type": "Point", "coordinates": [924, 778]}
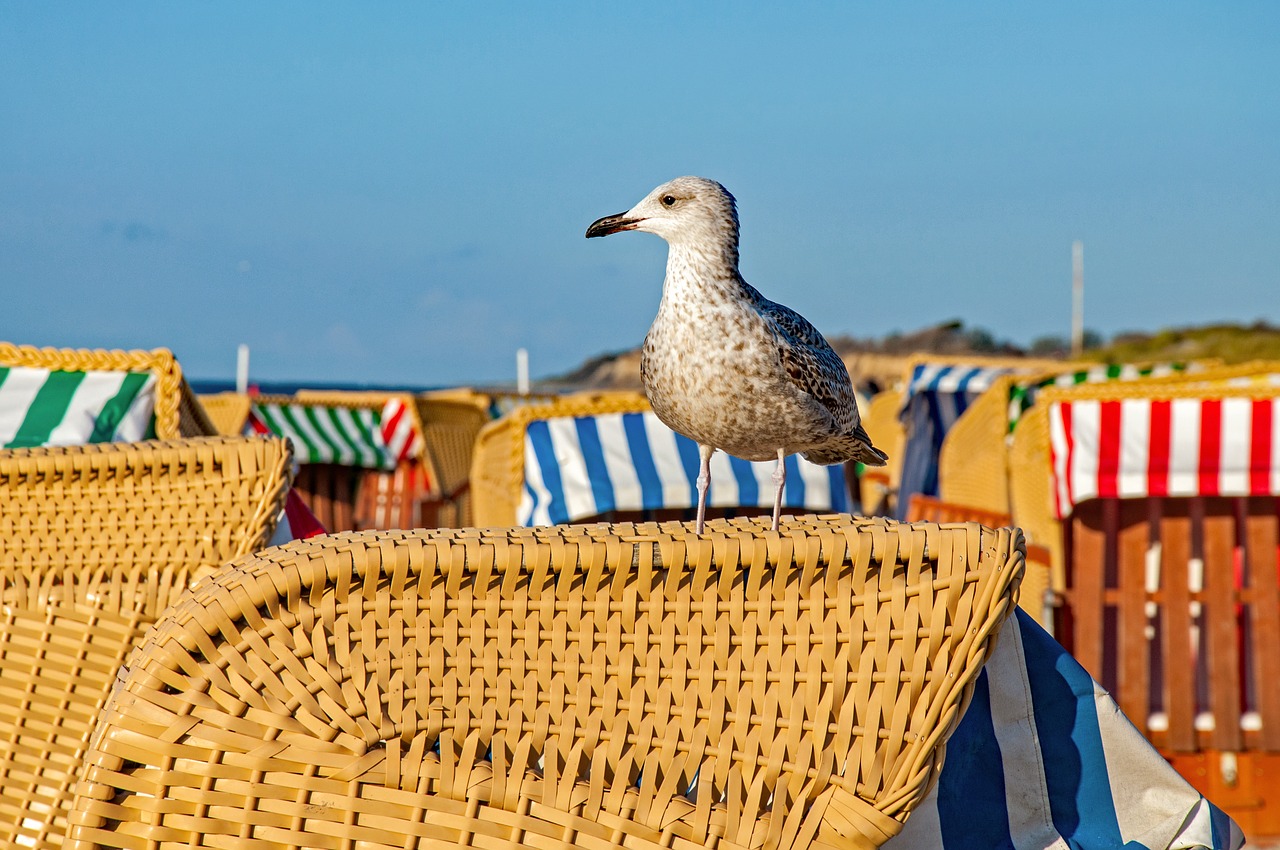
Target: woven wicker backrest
{"type": "Point", "coordinates": [229, 412]}
{"type": "Point", "coordinates": [497, 466]}
{"type": "Point", "coordinates": [973, 466]}
{"type": "Point", "coordinates": [450, 428]}
{"type": "Point", "coordinates": [177, 411]}
{"type": "Point", "coordinates": [592, 686]}
{"type": "Point", "coordinates": [880, 419]}
{"type": "Point", "coordinates": [95, 541]}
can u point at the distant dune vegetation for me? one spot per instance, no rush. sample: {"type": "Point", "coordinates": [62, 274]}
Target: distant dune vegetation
{"type": "Point", "coordinates": [876, 363]}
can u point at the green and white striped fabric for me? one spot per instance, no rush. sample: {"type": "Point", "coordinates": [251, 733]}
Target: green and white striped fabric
{"type": "Point", "coordinates": [324, 434]}
{"type": "Point", "coordinates": [43, 407]}
{"type": "Point", "coordinates": [1023, 396]}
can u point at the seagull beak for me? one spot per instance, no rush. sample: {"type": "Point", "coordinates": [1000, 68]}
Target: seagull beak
{"type": "Point", "coordinates": [612, 224]}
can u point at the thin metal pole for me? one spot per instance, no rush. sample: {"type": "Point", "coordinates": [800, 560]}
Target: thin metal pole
{"type": "Point", "coordinates": [242, 369]}
{"type": "Point", "coordinates": [1077, 298]}
{"type": "Point", "coordinates": [522, 371]}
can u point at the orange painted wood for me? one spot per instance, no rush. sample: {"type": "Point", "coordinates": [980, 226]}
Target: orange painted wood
{"type": "Point", "coordinates": [1262, 544]}
{"type": "Point", "coordinates": [1088, 571]}
{"type": "Point", "coordinates": [1221, 634]}
{"type": "Point", "coordinates": [1179, 679]}
{"type": "Point", "coordinates": [1133, 652]}
{"type": "Point", "coordinates": [1252, 801]}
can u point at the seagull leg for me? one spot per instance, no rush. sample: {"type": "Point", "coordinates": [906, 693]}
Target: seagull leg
{"type": "Point", "coordinates": [704, 482]}
{"type": "Point", "coordinates": [779, 478]}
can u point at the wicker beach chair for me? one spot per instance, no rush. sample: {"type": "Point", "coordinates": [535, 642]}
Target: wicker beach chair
{"type": "Point", "coordinates": [937, 391]}
{"type": "Point", "coordinates": [973, 466]}
{"type": "Point", "coordinates": [123, 390]}
{"type": "Point", "coordinates": [229, 412]}
{"type": "Point", "coordinates": [880, 484]}
{"type": "Point", "coordinates": [609, 457]}
{"type": "Point", "coordinates": [497, 466]}
{"type": "Point", "coordinates": [590, 686]}
{"type": "Point", "coordinates": [95, 541]}
{"type": "Point", "coordinates": [1160, 503]}
{"type": "Point", "coordinates": [450, 427]}
{"type": "Point", "coordinates": [360, 454]}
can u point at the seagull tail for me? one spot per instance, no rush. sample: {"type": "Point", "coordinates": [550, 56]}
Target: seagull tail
{"type": "Point", "coordinates": [856, 446]}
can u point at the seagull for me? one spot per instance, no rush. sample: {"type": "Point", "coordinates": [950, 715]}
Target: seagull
{"type": "Point", "coordinates": [725, 366]}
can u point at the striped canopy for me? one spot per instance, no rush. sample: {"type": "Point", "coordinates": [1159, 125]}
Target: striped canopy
{"type": "Point", "coordinates": [934, 399]}
{"type": "Point", "coordinates": [1138, 447]}
{"type": "Point", "coordinates": [1043, 757]}
{"type": "Point", "coordinates": [43, 407]}
{"type": "Point", "coordinates": [1023, 395]}
{"type": "Point", "coordinates": [371, 437]}
{"type": "Point", "coordinates": [581, 466]}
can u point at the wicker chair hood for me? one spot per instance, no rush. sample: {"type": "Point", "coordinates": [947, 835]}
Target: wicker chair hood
{"type": "Point", "coordinates": [95, 541]}
{"type": "Point", "coordinates": [590, 686]}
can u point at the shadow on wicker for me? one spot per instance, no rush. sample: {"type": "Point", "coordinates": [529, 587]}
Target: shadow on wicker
{"type": "Point", "coordinates": [95, 541]}
{"type": "Point", "coordinates": [586, 686]}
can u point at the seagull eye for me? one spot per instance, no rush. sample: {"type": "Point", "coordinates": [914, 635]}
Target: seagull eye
{"type": "Point", "coordinates": [668, 200]}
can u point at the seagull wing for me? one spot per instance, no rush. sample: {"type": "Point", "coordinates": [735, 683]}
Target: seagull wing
{"type": "Point", "coordinates": [812, 365]}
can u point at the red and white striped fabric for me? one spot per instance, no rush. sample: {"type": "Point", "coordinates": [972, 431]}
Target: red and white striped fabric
{"type": "Point", "coordinates": [401, 439]}
{"type": "Point", "coordinates": [1133, 448]}
{"type": "Point", "coordinates": [296, 522]}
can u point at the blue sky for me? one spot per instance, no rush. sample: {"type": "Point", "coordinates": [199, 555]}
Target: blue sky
{"type": "Point", "coordinates": [397, 193]}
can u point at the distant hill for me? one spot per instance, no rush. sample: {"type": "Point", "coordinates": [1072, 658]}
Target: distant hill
{"type": "Point", "coordinates": [875, 363]}
{"type": "Point", "coordinates": [1231, 343]}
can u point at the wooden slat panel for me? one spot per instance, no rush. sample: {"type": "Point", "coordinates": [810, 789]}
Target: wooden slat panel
{"type": "Point", "coordinates": [1179, 678]}
{"type": "Point", "coordinates": [344, 491]}
{"type": "Point", "coordinates": [1262, 539]}
{"type": "Point", "coordinates": [1134, 650]}
{"type": "Point", "coordinates": [1220, 631]}
{"type": "Point", "coordinates": [1087, 574]}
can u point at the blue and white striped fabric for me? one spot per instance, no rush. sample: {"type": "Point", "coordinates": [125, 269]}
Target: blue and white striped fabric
{"type": "Point", "coordinates": [578, 467]}
{"type": "Point", "coordinates": [1044, 758]}
{"type": "Point", "coordinates": [934, 399]}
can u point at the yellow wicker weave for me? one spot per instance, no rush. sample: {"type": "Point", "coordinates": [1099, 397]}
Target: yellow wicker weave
{"type": "Point", "coordinates": [95, 541]}
{"type": "Point", "coordinates": [1031, 460]}
{"type": "Point", "coordinates": [587, 686]}
{"type": "Point", "coordinates": [468, 394]}
{"type": "Point", "coordinates": [229, 412]}
{"type": "Point", "coordinates": [178, 412]}
{"type": "Point", "coordinates": [881, 422]}
{"type": "Point", "coordinates": [497, 467]}
{"type": "Point", "coordinates": [449, 429]}
{"type": "Point", "coordinates": [973, 466]}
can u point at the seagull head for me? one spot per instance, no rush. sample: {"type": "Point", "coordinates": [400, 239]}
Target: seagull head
{"type": "Point", "coordinates": [685, 210]}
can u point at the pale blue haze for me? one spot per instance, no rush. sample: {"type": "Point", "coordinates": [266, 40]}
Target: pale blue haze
{"type": "Point", "coordinates": [398, 192]}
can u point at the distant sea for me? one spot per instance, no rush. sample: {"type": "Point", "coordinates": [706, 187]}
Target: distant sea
{"type": "Point", "coordinates": [207, 386]}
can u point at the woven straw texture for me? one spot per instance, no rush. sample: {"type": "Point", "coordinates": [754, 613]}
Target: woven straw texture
{"type": "Point", "coordinates": [497, 467]}
{"type": "Point", "coordinates": [178, 412]}
{"type": "Point", "coordinates": [588, 686]}
{"type": "Point", "coordinates": [97, 541]}
{"type": "Point", "coordinates": [881, 421]}
{"type": "Point", "coordinates": [1035, 577]}
{"type": "Point", "coordinates": [973, 466]}
{"type": "Point", "coordinates": [229, 412]}
{"type": "Point", "coordinates": [449, 429]}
